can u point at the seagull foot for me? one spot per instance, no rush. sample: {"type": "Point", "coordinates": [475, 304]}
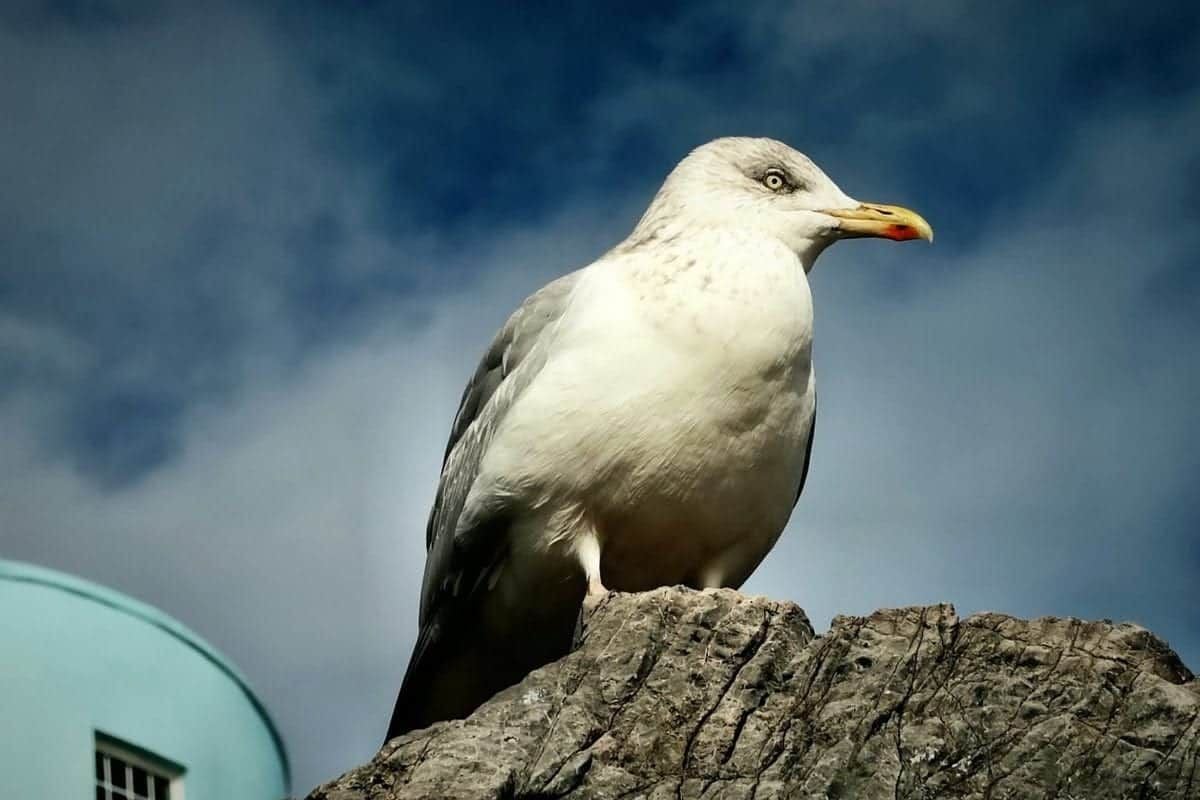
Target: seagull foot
{"type": "Point", "coordinates": [595, 597]}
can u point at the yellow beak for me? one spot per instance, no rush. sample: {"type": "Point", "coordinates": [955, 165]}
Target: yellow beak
{"type": "Point", "coordinates": [886, 222]}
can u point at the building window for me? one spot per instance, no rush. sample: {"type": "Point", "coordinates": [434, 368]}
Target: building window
{"type": "Point", "coordinates": [124, 772]}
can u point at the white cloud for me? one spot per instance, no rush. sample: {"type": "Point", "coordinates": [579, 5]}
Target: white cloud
{"type": "Point", "coordinates": [290, 529]}
{"type": "Point", "coordinates": [1009, 435]}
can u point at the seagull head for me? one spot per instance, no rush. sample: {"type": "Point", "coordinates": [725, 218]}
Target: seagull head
{"type": "Point", "coordinates": [766, 186]}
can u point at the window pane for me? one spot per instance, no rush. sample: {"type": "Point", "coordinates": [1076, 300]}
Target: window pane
{"type": "Point", "coordinates": [100, 794]}
{"type": "Point", "coordinates": [161, 790]}
{"type": "Point", "coordinates": [139, 782]}
{"type": "Point", "coordinates": [99, 767]}
{"type": "Point", "coordinates": [117, 772]}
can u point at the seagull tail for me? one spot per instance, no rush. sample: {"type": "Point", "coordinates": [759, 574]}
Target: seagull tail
{"type": "Point", "coordinates": [444, 680]}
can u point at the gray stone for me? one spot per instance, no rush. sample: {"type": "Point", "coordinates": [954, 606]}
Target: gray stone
{"type": "Point", "coordinates": [683, 694]}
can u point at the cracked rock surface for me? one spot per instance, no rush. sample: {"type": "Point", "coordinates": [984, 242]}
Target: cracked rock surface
{"type": "Point", "coordinates": [683, 694]}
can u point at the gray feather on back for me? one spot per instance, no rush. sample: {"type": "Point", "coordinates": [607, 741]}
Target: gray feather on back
{"type": "Point", "coordinates": [457, 560]}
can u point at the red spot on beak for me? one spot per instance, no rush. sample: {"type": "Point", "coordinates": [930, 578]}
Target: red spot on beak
{"type": "Point", "coordinates": [900, 233]}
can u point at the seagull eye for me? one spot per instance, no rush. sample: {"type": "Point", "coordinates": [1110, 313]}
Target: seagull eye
{"type": "Point", "coordinates": [774, 180]}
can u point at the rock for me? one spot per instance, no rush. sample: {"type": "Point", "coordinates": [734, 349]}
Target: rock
{"type": "Point", "coordinates": [683, 694]}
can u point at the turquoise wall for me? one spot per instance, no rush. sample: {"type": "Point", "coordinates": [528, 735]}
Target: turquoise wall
{"type": "Point", "coordinates": [76, 658]}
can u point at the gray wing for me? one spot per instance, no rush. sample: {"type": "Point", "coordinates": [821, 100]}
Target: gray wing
{"type": "Point", "coordinates": [812, 432]}
{"type": "Point", "coordinates": [457, 561]}
{"type": "Point", "coordinates": [452, 670]}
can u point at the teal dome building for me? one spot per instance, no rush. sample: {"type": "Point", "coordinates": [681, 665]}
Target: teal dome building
{"type": "Point", "coordinates": [103, 696]}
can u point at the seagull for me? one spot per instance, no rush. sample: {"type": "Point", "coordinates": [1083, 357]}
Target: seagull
{"type": "Point", "coordinates": [644, 421]}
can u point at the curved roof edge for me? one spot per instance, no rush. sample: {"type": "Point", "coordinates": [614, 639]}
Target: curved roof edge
{"type": "Point", "coordinates": [22, 572]}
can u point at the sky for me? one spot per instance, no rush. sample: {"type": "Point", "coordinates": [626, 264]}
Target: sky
{"type": "Point", "coordinates": [250, 252]}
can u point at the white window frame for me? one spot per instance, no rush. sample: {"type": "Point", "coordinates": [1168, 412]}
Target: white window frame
{"type": "Point", "coordinates": [109, 745]}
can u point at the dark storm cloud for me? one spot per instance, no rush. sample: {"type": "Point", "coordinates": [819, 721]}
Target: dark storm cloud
{"type": "Point", "coordinates": [249, 253]}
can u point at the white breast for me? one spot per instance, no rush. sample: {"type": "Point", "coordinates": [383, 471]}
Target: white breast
{"type": "Point", "coordinates": [672, 413]}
